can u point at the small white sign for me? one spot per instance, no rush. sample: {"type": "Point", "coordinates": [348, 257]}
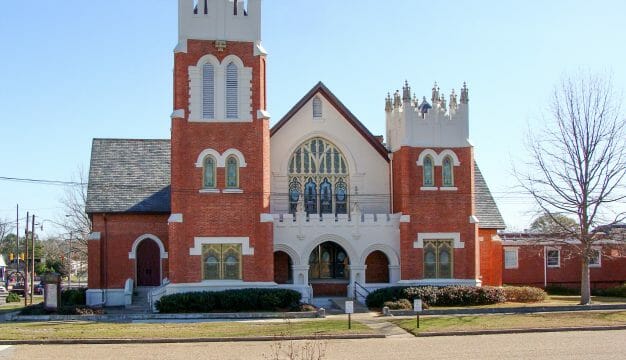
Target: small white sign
{"type": "Point", "coordinates": [417, 305]}
{"type": "Point", "coordinates": [51, 295]}
{"type": "Point", "coordinates": [349, 307]}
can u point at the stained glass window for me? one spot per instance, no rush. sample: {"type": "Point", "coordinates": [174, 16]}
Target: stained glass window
{"type": "Point", "coordinates": [221, 262]}
{"type": "Point", "coordinates": [438, 259]}
{"type": "Point", "coordinates": [428, 171]}
{"type": "Point", "coordinates": [232, 172]}
{"type": "Point", "coordinates": [446, 168]}
{"type": "Point", "coordinates": [209, 172]}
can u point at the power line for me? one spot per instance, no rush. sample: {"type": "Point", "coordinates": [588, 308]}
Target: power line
{"type": "Point", "coordinates": [42, 181]}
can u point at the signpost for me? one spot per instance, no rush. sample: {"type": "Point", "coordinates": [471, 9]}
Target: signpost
{"type": "Point", "coordinates": [417, 307]}
{"type": "Point", "coordinates": [349, 311]}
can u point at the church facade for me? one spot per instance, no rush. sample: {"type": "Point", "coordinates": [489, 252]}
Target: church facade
{"type": "Point", "coordinates": [315, 203]}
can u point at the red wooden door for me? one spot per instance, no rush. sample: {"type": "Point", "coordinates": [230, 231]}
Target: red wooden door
{"type": "Point", "coordinates": [148, 263]}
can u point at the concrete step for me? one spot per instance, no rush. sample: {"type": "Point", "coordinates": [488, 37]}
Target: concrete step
{"type": "Point", "coordinates": [341, 304]}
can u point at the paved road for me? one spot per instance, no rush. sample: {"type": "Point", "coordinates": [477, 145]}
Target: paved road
{"type": "Point", "coordinates": [564, 345]}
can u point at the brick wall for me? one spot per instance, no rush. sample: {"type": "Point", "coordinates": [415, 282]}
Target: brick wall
{"type": "Point", "coordinates": [109, 265]}
{"type": "Point", "coordinates": [220, 215]}
{"type": "Point", "coordinates": [490, 257]}
{"type": "Point", "coordinates": [377, 270]}
{"type": "Point", "coordinates": [435, 211]}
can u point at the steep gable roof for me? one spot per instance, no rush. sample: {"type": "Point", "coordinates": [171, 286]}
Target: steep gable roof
{"type": "Point", "coordinates": [343, 110]}
{"type": "Point", "coordinates": [486, 209]}
{"type": "Point", "coordinates": [129, 175]}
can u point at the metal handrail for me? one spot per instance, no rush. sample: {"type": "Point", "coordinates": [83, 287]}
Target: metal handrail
{"type": "Point", "coordinates": [360, 290]}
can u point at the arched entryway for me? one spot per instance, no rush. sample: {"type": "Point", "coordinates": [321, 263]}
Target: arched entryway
{"type": "Point", "coordinates": [329, 269]}
{"type": "Point", "coordinates": [283, 268]}
{"type": "Point", "coordinates": [148, 263]}
{"type": "Point", "coordinates": [377, 270]}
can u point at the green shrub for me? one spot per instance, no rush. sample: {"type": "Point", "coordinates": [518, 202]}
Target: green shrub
{"type": "Point", "coordinates": [618, 291]}
{"type": "Point", "coordinates": [13, 297]}
{"type": "Point", "coordinates": [73, 297]}
{"type": "Point", "coordinates": [561, 290]}
{"type": "Point", "coordinates": [402, 304]}
{"type": "Point", "coordinates": [438, 296]}
{"type": "Point", "coordinates": [524, 294]}
{"type": "Point", "coordinates": [230, 300]}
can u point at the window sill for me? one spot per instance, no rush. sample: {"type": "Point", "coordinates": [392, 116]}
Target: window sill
{"type": "Point", "coordinates": [448, 188]}
{"type": "Point", "coordinates": [232, 191]}
{"type": "Point", "coordinates": [209, 191]}
{"type": "Point", "coordinates": [429, 188]}
{"type": "Point", "coordinates": [511, 268]}
{"type": "Point", "coordinates": [594, 266]}
{"type": "Point", "coordinates": [553, 266]}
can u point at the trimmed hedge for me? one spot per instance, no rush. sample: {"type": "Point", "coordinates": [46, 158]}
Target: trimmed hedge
{"type": "Point", "coordinates": [524, 294]}
{"type": "Point", "coordinates": [438, 296]}
{"type": "Point", "coordinates": [402, 304]}
{"type": "Point", "coordinates": [74, 297]}
{"type": "Point", "coordinates": [13, 297]}
{"type": "Point", "coordinates": [618, 291]}
{"type": "Point", "coordinates": [230, 301]}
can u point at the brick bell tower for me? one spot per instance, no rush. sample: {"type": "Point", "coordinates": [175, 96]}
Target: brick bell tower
{"type": "Point", "coordinates": [433, 182]}
{"type": "Point", "coordinates": [218, 233]}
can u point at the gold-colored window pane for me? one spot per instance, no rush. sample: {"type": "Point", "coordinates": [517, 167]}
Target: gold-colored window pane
{"type": "Point", "coordinates": [221, 262]}
{"type": "Point", "coordinates": [438, 259]}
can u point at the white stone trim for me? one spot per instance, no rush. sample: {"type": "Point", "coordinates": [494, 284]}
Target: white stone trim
{"type": "Point", "coordinates": [438, 158]}
{"type": "Point", "coordinates": [345, 244]}
{"type": "Point", "coordinates": [94, 236]}
{"type": "Point", "coordinates": [209, 191]}
{"type": "Point", "coordinates": [448, 188]}
{"type": "Point", "coordinates": [178, 114]}
{"type": "Point", "coordinates": [405, 218]}
{"type": "Point", "coordinates": [392, 255]}
{"type": "Point", "coordinates": [133, 252]}
{"type": "Point", "coordinates": [220, 159]}
{"type": "Point", "coordinates": [267, 218]}
{"type": "Point", "coordinates": [232, 191]}
{"type": "Point", "coordinates": [175, 218]}
{"type": "Point", "coordinates": [202, 240]}
{"type": "Point", "coordinates": [429, 188]}
{"type": "Point", "coordinates": [295, 258]}
{"type": "Point", "coordinates": [456, 237]}
{"type": "Point", "coordinates": [259, 49]}
{"type": "Point", "coordinates": [473, 219]}
{"type": "Point", "coordinates": [262, 114]}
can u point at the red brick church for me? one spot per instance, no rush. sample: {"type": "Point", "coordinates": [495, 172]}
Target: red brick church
{"type": "Point", "coordinates": [315, 203]}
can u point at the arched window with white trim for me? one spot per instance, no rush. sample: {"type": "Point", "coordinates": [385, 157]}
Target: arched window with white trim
{"type": "Point", "coordinates": [208, 91]}
{"type": "Point", "coordinates": [232, 172]}
{"type": "Point", "coordinates": [447, 172]}
{"type": "Point", "coordinates": [428, 171]}
{"type": "Point", "coordinates": [232, 91]}
{"type": "Point", "coordinates": [210, 165]}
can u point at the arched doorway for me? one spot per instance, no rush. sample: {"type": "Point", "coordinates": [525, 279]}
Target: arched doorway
{"type": "Point", "coordinates": [148, 263]}
{"type": "Point", "coordinates": [377, 270]}
{"type": "Point", "coordinates": [328, 269]}
{"type": "Point", "coordinates": [282, 268]}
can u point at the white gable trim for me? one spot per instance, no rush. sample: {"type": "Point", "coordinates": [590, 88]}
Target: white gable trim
{"type": "Point", "coordinates": [133, 252]}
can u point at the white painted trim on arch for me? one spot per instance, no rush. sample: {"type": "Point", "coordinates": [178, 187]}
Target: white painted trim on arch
{"type": "Point", "coordinates": [220, 159]}
{"type": "Point", "coordinates": [438, 158]}
{"type": "Point", "coordinates": [456, 237]}
{"type": "Point", "coordinates": [178, 114]}
{"type": "Point", "coordinates": [237, 154]}
{"type": "Point", "coordinates": [202, 240]}
{"type": "Point", "coordinates": [133, 252]}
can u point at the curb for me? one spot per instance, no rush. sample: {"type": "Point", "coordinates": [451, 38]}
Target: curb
{"type": "Point", "coordinates": [188, 340]}
{"type": "Point", "coordinates": [520, 331]}
{"type": "Point", "coordinates": [516, 310]}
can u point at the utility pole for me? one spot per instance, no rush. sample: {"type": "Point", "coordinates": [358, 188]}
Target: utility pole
{"type": "Point", "coordinates": [26, 262]}
{"type": "Point", "coordinates": [69, 259]}
{"type": "Point", "coordinates": [17, 239]}
{"type": "Point", "coordinates": [32, 259]}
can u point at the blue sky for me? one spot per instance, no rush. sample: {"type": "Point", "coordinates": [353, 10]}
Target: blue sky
{"type": "Point", "coordinates": [74, 70]}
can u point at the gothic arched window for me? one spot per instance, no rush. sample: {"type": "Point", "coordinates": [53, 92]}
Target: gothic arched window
{"type": "Point", "coordinates": [232, 89]}
{"type": "Point", "coordinates": [232, 172]}
{"type": "Point", "coordinates": [428, 171]}
{"type": "Point", "coordinates": [208, 91]}
{"type": "Point", "coordinates": [318, 169]}
{"type": "Point", "coordinates": [209, 172]}
{"type": "Point", "coordinates": [446, 171]}
{"type": "Point", "coordinates": [317, 108]}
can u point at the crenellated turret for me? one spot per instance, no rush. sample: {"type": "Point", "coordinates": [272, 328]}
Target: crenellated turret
{"type": "Point", "coordinates": [422, 124]}
{"type": "Point", "coordinates": [219, 20]}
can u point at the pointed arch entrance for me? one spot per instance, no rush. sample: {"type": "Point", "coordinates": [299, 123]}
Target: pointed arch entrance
{"type": "Point", "coordinates": [148, 257]}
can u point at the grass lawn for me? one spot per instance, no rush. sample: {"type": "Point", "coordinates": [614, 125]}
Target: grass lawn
{"type": "Point", "coordinates": [8, 307]}
{"type": "Point", "coordinates": [99, 330]}
{"type": "Point", "coordinates": [516, 321]}
{"type": "Point", "coordinates": [552, 300]}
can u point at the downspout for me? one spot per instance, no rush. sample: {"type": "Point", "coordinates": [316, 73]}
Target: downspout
{"type": "Point", "coordinates": [545, 268]}
{"type": "Point", "coordinates": [104, 261]}
{"type": "Point", "coordinates": [391, 183]}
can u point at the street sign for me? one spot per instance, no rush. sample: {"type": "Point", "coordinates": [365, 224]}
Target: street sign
{"type": "Point", "coordinates": [417, 305]}
{"type": "Point", "coordinates": [349, 307]}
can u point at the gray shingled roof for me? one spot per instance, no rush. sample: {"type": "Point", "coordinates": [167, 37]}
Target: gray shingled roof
{"type": "Point", "coordinates": [129, 175]}
{"type": "Point", "coordinates": [486, 209]}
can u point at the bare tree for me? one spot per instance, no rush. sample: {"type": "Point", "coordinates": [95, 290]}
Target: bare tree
{"type": "Point", "coordinates": [577, 163]}
{"type": "Point", "coordinates": [76, 221]}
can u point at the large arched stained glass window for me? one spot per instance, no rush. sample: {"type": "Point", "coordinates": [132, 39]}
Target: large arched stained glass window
{"type": "Point", "coordinates": [318, 176]}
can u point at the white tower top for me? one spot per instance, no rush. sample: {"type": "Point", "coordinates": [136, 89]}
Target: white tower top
{"type": "Point", "coordinates": [227, 20]}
